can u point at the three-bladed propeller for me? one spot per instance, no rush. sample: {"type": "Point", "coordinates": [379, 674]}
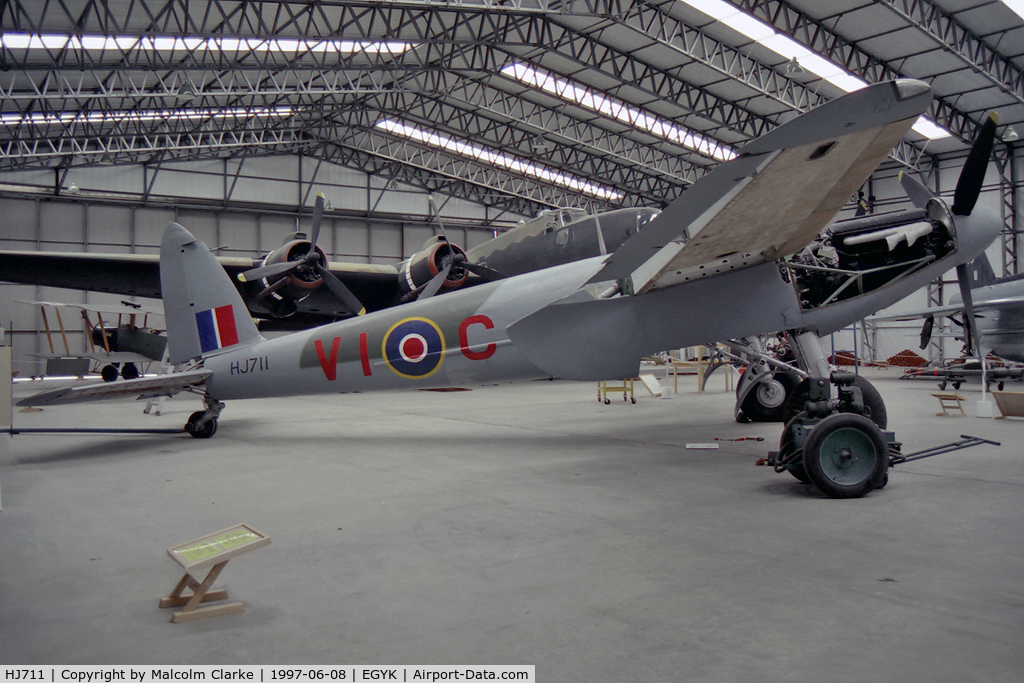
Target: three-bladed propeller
{"type": "Point", "coordinates": [310, 262]}
{"type": "Point", "coordinates": [968, 188]}
{"type": "Point", "coordinates": [453, 260]}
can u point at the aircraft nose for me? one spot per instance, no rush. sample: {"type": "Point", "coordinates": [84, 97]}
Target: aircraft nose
{"type": "Point", "coordinates": [977, 231]}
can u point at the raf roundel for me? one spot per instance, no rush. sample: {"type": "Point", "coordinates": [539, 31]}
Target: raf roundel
{"type": "Point", "coordinates": [414, 348]}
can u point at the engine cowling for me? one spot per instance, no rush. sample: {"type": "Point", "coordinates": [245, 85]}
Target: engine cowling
{"type": "Point", "coordinates": [281, 293]}
{"type": "Point", "coordinates": [421, 268]}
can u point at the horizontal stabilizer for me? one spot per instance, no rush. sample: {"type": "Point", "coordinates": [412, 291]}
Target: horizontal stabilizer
{"type": "Point", "coordinates": [144, 387]}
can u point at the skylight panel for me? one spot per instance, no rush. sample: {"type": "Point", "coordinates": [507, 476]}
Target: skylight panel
{"type": "Point", "coordinates": [787, 48]}
{"type": "Point", "coordinates": [1017, 6]}
{"type": "Point", "coordinates": [496, 158]}
{"type": "Point", "coordinates": [617, 109]}
{"type": "Point", "coordinates": [214, 44]}
{"type": "Point", "coordinates": [144, 116]}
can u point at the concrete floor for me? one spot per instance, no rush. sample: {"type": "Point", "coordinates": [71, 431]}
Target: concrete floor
{"type": "Point", "coordinates": [516, 524]}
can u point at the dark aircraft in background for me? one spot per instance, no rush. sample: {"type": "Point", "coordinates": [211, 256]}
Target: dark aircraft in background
{"type": "Point", "coordinates": [295, 287]}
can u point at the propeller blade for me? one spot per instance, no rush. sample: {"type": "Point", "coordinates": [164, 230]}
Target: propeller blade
{"type": "Point", "coordinates": [267, 271]}
{"type": "Point", "coordinates": [926, 331]}
{"type": "Point", "coordinates": [919, 194]}
{"type": "Point", "coordinates": [970, 323]}
{"type": "Point", "coordinates": [435, 282]}
{"type": "Point", "coordinates": [488, 274]}
{"type": "Point", "coordinates": [340, 290]}
{"type": "Point", "coordinates": [318, 214]}
{"type": "Point", "coordinates": [440, 225]}
{"type": "Point", "coordinates": [968, 187]}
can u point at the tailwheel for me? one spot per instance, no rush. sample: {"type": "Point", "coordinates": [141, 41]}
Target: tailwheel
{"type": "Point", "coordinates": [846, 455]}
{"type": "Point", "coordinates": [202, 430]}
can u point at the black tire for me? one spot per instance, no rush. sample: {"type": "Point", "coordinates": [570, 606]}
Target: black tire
{"type": "Point", "coordinates": [874, 406]}
{"type": "Point", "coordinates": [767, 400]}
{"type": "Point", "coordinates": [204, 432]}
{"type": "Point", "coordinates": [846, 455]}
{"type": "Point", "coordinates": [785, 446]}
{"type": "Point", "coordinates": [109, 373]}
{"type": "Point", "coordinates": [129, 371]}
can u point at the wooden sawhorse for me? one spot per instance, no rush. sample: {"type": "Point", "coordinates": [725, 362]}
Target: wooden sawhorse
{"type": "Point", "coordinates": [950, 401]}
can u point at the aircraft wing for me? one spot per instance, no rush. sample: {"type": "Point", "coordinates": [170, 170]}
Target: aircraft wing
{"type": "Point", "coordinates": [1004, 295]}
{"type": "Point", "coordinates": [774, 198]}
{"type": "Point", "coordinates": [122, 308]}
{"type": "Point", "coordinates": [99, 356]}
{"type": "Point", "coordinates": [143, 387]}
{"type": "Point", "coordinates": [139, 275]}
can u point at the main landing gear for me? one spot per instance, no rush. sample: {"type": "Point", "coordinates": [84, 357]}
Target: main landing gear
{"type": "Point", "coordinates": [202, 424]}
{"type": "Point", "coordinates": [834, 435]}
{"type": "Point", "coordinates": [840, 450]}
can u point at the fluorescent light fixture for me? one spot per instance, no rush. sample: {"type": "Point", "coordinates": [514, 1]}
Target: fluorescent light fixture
{"type": "Point", "coordinates": [787, 48]}
{"type": "Point", "coordinates": [495, 158]}
{"type": "Point", "coordinates": [215, 44]}
{"type": "Point", "coordinates": [70, 118]}
{"type": "Point", "coordinates": [617, 109]}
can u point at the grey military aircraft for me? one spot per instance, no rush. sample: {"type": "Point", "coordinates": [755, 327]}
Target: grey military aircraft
{"type": "Point", "coordinates": [999, 307]}
{"type": "Point", "coordinates": [709, 266]}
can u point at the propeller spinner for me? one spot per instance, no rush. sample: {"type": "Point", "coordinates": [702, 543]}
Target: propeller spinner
{"type": "Point", "coordinates": [968, 188]}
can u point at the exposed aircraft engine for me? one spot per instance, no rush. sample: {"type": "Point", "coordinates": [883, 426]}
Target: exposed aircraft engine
{"type": "Point", "coordinates": [283, 290]}
{"type": "Point", "coordinates": [429, 262]}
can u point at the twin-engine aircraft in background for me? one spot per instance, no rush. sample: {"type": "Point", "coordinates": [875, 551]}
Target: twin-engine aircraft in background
{"type": "Point", "coordinates": [296, 287]}
{"type": "Point", "coordinates": [708, 267]}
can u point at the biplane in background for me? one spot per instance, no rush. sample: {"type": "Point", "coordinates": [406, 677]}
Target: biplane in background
{"type": "Point", "coordinates": [122, 349]}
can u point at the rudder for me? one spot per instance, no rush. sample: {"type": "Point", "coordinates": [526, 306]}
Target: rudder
{"type": "Point", "coordinates": [204, 311]}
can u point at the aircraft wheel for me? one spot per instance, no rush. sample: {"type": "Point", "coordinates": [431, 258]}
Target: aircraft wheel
{"type": "Point", "coordinates": [846, 456]}
{"type": "Point", "coordinates": [767, 401]}
{"type": "Point", "coordinates": [1000, 386]}
{"type": "Point", "coordinates": [204, 432]}
{"type": "Point", "coordinates": [942, 386]}
{"type": "Point", "coordinates": [108, 373]}
{"type": "Point", "coordinates": [129, 371]}
{"type": "Point", "coordinates": [956, 385]}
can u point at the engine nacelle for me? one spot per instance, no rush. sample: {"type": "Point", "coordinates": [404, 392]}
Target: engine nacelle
{"type": "Point", "coordinates": [281, 293]}
{"type": "Point", "coordinates": [431, 260]}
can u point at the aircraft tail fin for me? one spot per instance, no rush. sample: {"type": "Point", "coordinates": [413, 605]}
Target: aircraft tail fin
{"type": "Point", "coordinates": [982, 274]}
{"type": "Point", "coordinates": [203, 310]}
